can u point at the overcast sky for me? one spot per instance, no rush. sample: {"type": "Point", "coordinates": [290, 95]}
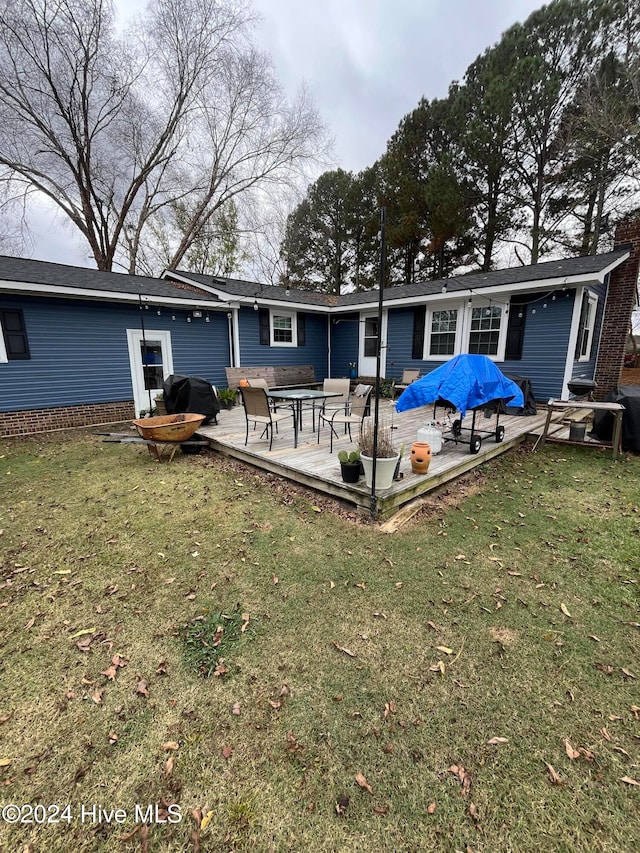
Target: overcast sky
{"type": "Point", "coordinates": [367, 63]}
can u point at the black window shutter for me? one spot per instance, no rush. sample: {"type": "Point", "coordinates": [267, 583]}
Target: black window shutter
{"type": "Point", "coordinates": [263, 321]}
{"type": "Point", "coordinates": [515, 331]}
{"type": "Point", "coordinates": [15, 334]}
{"type": "Point", "coordinates": [419, 317]}
{"type": "Point", "coordinates": [302, 333]}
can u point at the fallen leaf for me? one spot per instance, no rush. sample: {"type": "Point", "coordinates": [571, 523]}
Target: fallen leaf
{"type": "Point", "coordinates": [345, 651]}
{"type": "Point", "coordinates": [362, 782]}
{"type": "Point", "coordinates": [620, 749]}
{"type": "Point", "coordinates": [235, 710]}
{"type": "Point", "coordinates": [571, 752]}
{"type": "Point", "coordinates": [110, 672]}
{"type": "Point", "coordinates": [5, 762]}
{"type": "Point", "coordinates": [445, 650]}
{"type": "Point", "coordinates": [276, 579]}
{"type": "Point", "coordinates": [379, 614]}
{"type": "Point", "coordinates": [342, 805]}
{"type": "Point", "coordinates": [82, 632]}
{"type": "Point", "coordinates": [316, 508]}
{"type": "Point", "coordinates": [141, 688]}
{"type": "Point", "coordinates": [332, 585]}
{"type": "Point", "coordinates": [227, 752]}
{"type": "Point", "coordinates": [553, 776]}
{"type": "Point", "coordinates": [473, 811]}
{"type": "Point", "coordinates": [97, 696]}
{"type": "Point", "coordinates": [206, 820]}
{"type": "Point", "coordinates": [275, 703]}
{"type": "Point", "coordinates": [389, 708]}
{"type": "Point", "coordinates": [170, 745]}
{"type": "Point", "coordinates": [627, 673]}
{"type": "Point", "coordinates": [168, 767]}
{"type": "Point", "coordinates": [629, 781]}
{"type": "Point", "coordinates": [497, 740]}
{"type": "Point", "coordinates": [431, 808]}
{"type": "Point", "coordinates": [605, 734]}
{"type": "Point", "coordinates": [113, 737]}
{"type": "Point", "coordinates": [565, 610]}
{"type": "Point", "coordinates": [380, 809]}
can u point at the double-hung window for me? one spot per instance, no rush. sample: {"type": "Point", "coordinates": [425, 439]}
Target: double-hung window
{"type": "Point", "coordinates": [484, 333]}
{"type": "Point", "coordinates": [442, 332]}
{"type": "Point", "coordinates": [283, 329]}
{"type": "Point", "coordinates": [587, 326]}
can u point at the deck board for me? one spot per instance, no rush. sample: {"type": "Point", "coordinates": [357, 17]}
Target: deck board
{"type": "Point", "coordinates": [312, 465]}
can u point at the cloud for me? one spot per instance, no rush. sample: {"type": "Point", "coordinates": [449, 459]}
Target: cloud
{"type": "Point", "coordinates": [368, 62]}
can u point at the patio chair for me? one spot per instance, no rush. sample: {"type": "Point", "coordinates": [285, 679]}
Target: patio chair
{"type": "Point", "coordinates": [408, 376]}
{"type": "Point", "coordinates": [336, 385]}
{"type": "Point", "coordinates": [354, 414]}
{"type": "Point", "coordinates": [262, 383]}
{"type": "Point", "coordinates": [257, 409]}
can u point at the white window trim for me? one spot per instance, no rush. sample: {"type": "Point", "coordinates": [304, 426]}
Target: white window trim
{"type": "Point", "coordinates": [463, 329]}
{"type": "Point", "coordinates": [4, 358]}
{"type": "Point", "coordinates": [592, 311]}
{"type": "Point", "coordinates": [502, 334]}
{"type": "Point", "coordinates": [458, 335]}
{"type": "Point", "coordinates": [294, 328]}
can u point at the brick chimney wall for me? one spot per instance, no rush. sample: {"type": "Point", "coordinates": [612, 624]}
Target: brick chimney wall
{"type": "Point", "coordinates": [621, 298]}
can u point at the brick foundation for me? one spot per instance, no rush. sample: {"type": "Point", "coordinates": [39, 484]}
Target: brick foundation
{"type": "Point", "coordinates": [621, 298]}
{"type": "Point", "coordinates": [30, 421]}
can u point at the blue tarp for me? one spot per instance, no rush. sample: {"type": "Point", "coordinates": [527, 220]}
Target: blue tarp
{"type": "Point", "coordinates": [467, 381]}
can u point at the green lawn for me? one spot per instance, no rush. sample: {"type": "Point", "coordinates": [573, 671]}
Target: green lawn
{"type": "Point", "coordinates": [469, 683]}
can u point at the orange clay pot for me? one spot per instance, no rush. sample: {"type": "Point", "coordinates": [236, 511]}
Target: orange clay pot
{"type": "Point", "coordinates": [420, 457]}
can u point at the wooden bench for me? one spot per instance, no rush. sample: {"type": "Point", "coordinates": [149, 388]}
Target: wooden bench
{"type": "Point", "coordinates": [277, 378]}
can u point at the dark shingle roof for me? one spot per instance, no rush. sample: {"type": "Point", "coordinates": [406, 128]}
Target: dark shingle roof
{"type": "Point", "coordinates": [44, 273]}
{"type": "Point", "coordinates": [566, 267]}
{"type": "Point", "coordinates": [255, 290]}
{"type": "Point", "coordinates": [583, 266]}
{"type": "Point", "coordinates": [83, 278]}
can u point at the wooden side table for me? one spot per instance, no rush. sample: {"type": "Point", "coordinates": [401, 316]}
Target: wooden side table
{"type": "Point", "coordinates": [616, 409]}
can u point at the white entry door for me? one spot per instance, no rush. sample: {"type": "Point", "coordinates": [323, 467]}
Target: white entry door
{"type": "Point", "coordinates": [369, 344]}
{"type": "Point", "coordinates": [151, 362]}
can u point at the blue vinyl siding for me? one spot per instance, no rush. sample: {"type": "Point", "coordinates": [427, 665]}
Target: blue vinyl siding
{"type": "Point", "coordinates": [79, 351]}
{"type": "Point", "coordinates": [344, 343]}
{"type": "Point", "coordinates": [255, 354]}
{"type": "Point", "coordinates": [400, 345]}
{"type": "Point", "coordinates": [544, 350]}
{"type": "Point", "coordinates": [543, 354]}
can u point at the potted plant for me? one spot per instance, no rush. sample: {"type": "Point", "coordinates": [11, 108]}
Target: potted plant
{"type": "Point", "coordinates": [350, 466]}
{"type": "Point", "coordinates": [353, 370]}
{"type": "Point", "coordinates": [386, 455]}
{"type": "Point", "coordinates": [227, 397]}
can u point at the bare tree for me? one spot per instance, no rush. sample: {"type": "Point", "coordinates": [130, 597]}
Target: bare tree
{"type": "Point", "coordinates": [115, 130]}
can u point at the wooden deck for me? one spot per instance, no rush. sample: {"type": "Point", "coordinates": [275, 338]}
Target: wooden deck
{"type": "Point", "coordinates": [311, 464]}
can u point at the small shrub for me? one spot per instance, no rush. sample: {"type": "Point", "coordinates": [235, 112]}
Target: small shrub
{"type": "Point", "coordinates": [384, 447]}
{"type": "Point", "coordinates": [349, 458]}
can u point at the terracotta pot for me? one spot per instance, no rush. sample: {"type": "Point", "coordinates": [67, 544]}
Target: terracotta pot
{"type": "Point", "coordinates": [420, 457]}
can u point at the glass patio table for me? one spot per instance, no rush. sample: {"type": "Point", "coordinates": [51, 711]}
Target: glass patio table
{"type": "Point", "coordinates": [295, 397]}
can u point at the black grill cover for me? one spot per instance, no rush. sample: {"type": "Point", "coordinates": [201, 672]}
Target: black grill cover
{"type": "Point", "coordinates": [190, 394]}
{"type": "Point", "coordinates": [525, 386]}
{"type": "Point", "coordinates": [629, 396]}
